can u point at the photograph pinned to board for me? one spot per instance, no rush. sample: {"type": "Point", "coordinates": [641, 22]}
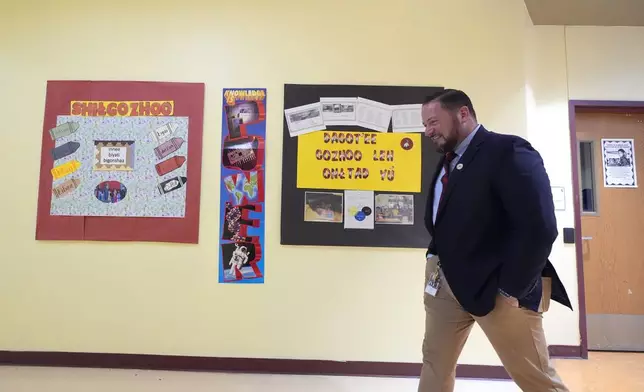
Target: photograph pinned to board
{"type": "Point", "coordinates": [323, 207]}
{"type": "Point", "coordinates": [394, 209]}
{"type": "Point", "coordinates": [618, 160]}
{"type": "Point", "coordinates": [358, 210]}
{"type": "Point", "coordinates": [305, 119]}
{"type": "Point", "coordinates": [339, 111]}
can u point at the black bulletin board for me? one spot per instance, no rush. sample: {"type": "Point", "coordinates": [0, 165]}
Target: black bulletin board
{"type": "Point", "coordinates": [296, 231]}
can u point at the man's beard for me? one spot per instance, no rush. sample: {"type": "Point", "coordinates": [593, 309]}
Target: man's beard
{"type": "Point", "coordinates": [450, 144]}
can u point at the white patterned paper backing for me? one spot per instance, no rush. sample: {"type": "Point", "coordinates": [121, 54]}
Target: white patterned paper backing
{"type": "Point", "coordinates": [143, 198]}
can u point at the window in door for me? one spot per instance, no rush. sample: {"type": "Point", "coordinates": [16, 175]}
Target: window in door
{"type": "Point", "coordinates": [587, 174]}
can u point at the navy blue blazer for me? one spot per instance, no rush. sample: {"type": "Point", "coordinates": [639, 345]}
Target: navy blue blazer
{"type": "Point", "coordinates": [496, 223]}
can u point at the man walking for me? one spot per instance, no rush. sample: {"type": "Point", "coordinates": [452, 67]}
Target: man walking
{"type": "Point", "coordinates": [491, 217]}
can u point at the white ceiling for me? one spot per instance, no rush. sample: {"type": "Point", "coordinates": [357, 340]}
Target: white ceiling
{"type": "Point", "coordinates": [586, 12]}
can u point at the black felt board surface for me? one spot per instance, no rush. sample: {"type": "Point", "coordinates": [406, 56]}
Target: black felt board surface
{"type": "Point", "coordinates": [296, 231]}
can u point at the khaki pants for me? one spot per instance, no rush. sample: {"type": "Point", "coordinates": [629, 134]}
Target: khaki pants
{"type": "Point", "coordinates": [515, 333]}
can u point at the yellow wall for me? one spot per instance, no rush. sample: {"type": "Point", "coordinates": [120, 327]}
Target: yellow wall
{"type": "Point", "coordinates": [580, 63]}
{"type": "Point", "coordinates": [548, 131]}
{"type": "Point", "coordinates": [343, 303]}
{"type": "Point", "coordinates": [605, 63]}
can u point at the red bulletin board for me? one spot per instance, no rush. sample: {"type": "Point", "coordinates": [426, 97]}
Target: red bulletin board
{"type": "Point", "coordinates": [188, 101]}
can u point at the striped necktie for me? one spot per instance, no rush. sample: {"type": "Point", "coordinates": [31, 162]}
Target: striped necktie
{"type": "Point", "coordinates": [447, 165]}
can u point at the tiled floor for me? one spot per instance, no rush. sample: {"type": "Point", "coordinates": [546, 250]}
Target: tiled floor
{"type": "Point", "coordinates": [603, 372]}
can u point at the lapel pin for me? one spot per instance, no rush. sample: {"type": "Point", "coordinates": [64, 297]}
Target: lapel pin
{"type": "Point", "coordinates": [459, 166]}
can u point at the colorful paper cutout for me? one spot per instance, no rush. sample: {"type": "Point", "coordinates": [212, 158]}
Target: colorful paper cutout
{"type": "Point", "coordinates": [168, 147]}
{"type": "Point", "coordinates": [165, 131]}
{"type": "Point", "coordinates": [64, 150]}
{"type": "Point", "coordinates": [66, 188]}
{"type": "Point", "coordinates": [245, 187]}
{"type": "Point", "coordinates": [242, 154]}
{"type": "Point", "coordinates": [169, 165]}
{"type": "Point", "coordinates": [237, 221]}
{"type": "Point", "coordinates": [65, 169]}
{"type": "Point", "coordinates": [172, 185]}
{"type": "Point", "coordinates": [250, 186]}
{"type": "Point", "coordinates": [240, 259]}
{"type": "Point", "coordinates": [63, 130]}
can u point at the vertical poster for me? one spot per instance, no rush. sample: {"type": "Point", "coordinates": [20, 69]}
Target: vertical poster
{"type": "Point", "coordinates": [241, 243]}
{"type": "Point", "coordinates": [618, 158]}
{"type": "Point", "coordinates": [121, 161]}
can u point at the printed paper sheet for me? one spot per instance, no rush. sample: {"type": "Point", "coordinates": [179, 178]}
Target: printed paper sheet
{"type": "Point", "coordinates": [618, 156]}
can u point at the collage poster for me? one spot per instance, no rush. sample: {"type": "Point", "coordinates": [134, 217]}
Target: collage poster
{"type": "Point", "coordinates": [121, 161]}
{"type": "Point", "coordinates": [242, 227]}
{"type": "Point", "coordinates": [120, 166]}
{"type": "Point", "coordinates": [618, 157]}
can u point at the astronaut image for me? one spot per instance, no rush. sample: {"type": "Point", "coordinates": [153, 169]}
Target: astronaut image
{"type": "Point", "coordinates": [238, 259]}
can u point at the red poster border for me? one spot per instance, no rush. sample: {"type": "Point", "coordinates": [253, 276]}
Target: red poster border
{"type": "Point", "coordinates": [188, 102]}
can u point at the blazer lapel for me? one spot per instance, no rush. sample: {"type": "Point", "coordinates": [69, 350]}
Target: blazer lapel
{"type": "Point", "coordinates": [465, 161]}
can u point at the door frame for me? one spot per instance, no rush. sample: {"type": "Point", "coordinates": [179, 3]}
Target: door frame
{"type": "Point", "coordinates": [575, 106]}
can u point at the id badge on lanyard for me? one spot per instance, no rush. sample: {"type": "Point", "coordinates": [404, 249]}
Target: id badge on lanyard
{"type": "Point", "coordinates": [434, 282]}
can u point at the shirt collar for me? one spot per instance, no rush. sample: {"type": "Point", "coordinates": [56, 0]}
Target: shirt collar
{"type": "Point", "coordinates": [460, 149]}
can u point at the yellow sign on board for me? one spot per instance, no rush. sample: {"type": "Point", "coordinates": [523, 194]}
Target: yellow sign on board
{"type": "Point", "coordinates": [359, 161]}
{"type": "Point", "coordinates": [65, 169]}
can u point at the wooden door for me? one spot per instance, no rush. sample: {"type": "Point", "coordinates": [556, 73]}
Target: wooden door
{"type": "Point", "coordinates": [612, 233]}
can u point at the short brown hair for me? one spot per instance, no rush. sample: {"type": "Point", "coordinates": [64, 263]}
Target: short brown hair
{"type": "Point", "coordinates": [452, 100]}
